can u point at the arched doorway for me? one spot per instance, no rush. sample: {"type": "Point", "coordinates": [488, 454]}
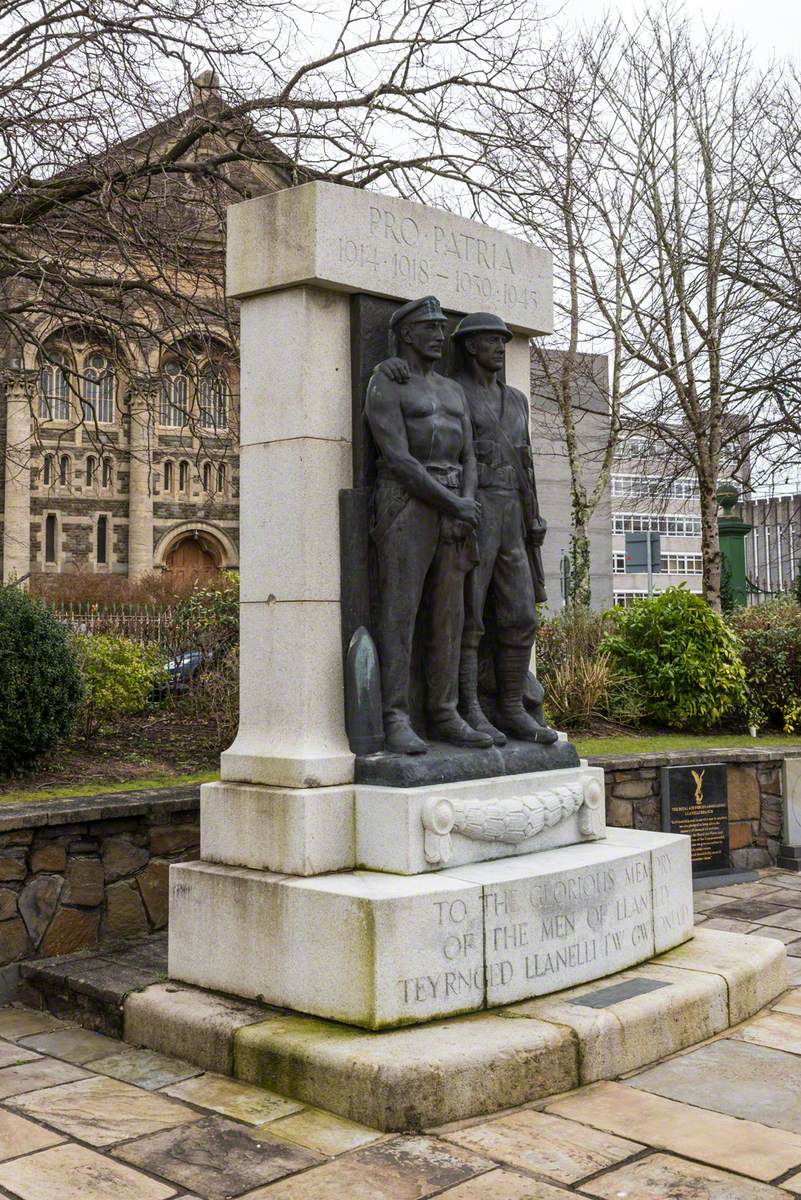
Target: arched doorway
{"type": "Point", "coordinates": [190, 561]}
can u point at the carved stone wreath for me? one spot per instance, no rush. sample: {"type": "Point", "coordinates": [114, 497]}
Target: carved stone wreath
{"type": "Point", "coordinates": [513, 819]}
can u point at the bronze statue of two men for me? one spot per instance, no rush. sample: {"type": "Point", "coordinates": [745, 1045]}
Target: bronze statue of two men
{"type": "Point", "coordinates": [456, 530]}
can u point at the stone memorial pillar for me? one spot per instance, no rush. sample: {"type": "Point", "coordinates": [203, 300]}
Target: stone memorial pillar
{"type": "Point", "coordinates": [385, 889]}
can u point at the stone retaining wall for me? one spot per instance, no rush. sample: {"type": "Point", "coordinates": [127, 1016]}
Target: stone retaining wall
{"type": "Point", "coordinates": [75, 873]}
{"type": "Point", "coordinates": [634, 800]}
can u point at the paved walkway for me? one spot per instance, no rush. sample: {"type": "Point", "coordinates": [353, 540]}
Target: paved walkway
{"type": "Point", "coordinates": [84, 1117]}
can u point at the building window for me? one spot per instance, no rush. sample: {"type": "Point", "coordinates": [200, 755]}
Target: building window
{"type": "Point", "coordinates": [64, 470]}
{"type": "Point", "coordinates": [221, 478]}
{"type": "Point", "coordinates": [99, 387]}
{"type": "Point", "coordinates": [640, 486]}
{"type": "Point", "coordinates": [207, 476]}
{"type": "Point", "coordinates": [50, 538]}
{"type": "Point", "coordinates": [173, 396]}
{"type": "Point", "coordinates": [107, 472]}
{"type": "Point", "coordinates": [102, 539]}
{"type": "Point", "coordinates": [54, 396]}
{"type": "Point", "coordinates": [183, 476]}
{"type": "Point", "coordinates": [671, 564]}
{"type": "Point", "coordinates": [168, 476]}
{"type": "Point", "coordinates": [671, 524]}
{"type": "Point", "coordinates": [91, 466]}
{"type": "Point", "coordinates": [47, 473]}
{"type": "Point", "coordinates": [213, 401]}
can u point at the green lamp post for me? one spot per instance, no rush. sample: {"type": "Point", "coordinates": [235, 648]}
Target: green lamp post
{"type": "Point", "coordinates": [733, 533]}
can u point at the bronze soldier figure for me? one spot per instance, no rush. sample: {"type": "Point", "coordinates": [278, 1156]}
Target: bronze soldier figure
{"type": "Point", "coordinates": [510, 534]}
{"type": "Point", "coordinates": [425, 515]}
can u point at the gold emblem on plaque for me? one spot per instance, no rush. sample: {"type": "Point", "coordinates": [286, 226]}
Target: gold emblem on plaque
{"type": "Point", "coordinates": [699, 784]}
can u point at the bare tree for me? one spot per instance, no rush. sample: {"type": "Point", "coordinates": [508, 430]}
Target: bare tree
{"type": "Point", "coordinates": [651, 155]}
{"type": "Point", "coordinates": [119, 158]}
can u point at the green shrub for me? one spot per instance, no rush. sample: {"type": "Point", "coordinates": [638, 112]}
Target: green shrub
{"type": "Point", "coordinates": [685, 658]}
{"type": "Point", "coordinates": [770, 638]}
{"type": "Point", "coordinates": [208, 620]}
{"type": "Point", "coordinates": [119, 676]}
{"type": "Point", "coordinates": [40, 685]}
{"type": "Point", "coordinates": [584, 688]}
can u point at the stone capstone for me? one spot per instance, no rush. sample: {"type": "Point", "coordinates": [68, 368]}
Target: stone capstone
{"type": "Point", "coordinates": [37, 903]}
{"type": "Point", "coordinates": [71, 929]}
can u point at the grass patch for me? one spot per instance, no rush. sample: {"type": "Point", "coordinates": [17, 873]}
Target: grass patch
{"type": "Point", "coordinates": [98, 788]}
{"type": "Point", "coordinates": [654, 743]}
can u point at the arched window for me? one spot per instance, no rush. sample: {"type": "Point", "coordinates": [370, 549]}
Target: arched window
{"type": "Point", "coordinates": [212, 395]}
{"type": "Point", "coordinates": [91, 470]}
{"type": "Point", "coordinates": [173, 395]}
{"type": "Point", "coordinates": [207, 476]}
{"type": "Point", "coordinates": [54, 396]}
{"type": "Point", "coordinates": [99, 386]}
{"type": "Point", "coordinates": [168, 476]}
{"type": "Point", "coordinates": [183, 476]}
{"type": "Point", "coordinates": [102, 539]}
{"type": "Point", "coordinates": [47, 473]}
{"type": "Point", "coordinates": [64, 470]}
{"type": "Point", "coordinates": [50, 538]}
{"type": "Point", "coordinates": [221, 478]}
{"type": "Point", "coordinates": [107, 472]}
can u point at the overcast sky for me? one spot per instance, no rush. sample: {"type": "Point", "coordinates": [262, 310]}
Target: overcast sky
{"type": "Point", "coordinates": [772, 26]}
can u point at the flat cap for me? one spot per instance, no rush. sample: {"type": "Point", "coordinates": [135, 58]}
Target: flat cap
{"type": "Point", "coordinates": [482, 323]}
{"type": "Point", "coordinates": [426, 309]}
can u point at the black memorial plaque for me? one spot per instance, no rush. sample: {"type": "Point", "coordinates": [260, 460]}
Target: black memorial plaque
{"type": "Point", "coordinates": [695, 802]}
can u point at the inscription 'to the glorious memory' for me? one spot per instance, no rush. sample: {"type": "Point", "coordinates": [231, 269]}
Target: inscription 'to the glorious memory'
{"type": "Point", "coordinates": [350, 240]}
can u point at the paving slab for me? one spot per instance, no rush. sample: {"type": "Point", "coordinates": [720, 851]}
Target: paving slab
{"type": "Point", "coordinates": [103, 1111]}
{"type": "Point", "coordinates": [663, 1177]}
{"type": "Point", "coordinates": [561, 1150]}
{"type": "Point", "coordinates": [11, 1054]}
{"type": "Point", "coordinates": [230, 1098]}
{"type": "Point", "coordinates": [735, 1077]}
{"type": "Point", "coordinates": [714, 1138]}
{"type": "Point", "coordinates": [790, 1002]}
{"type": "Point", "coordinates": [749, 910]}
{"type": "Point", "coordinates": [77, 1046]}
{"type": "Point", "coordinates": [730, 925]}
{"type": "Point", "coordinates": [72, 1172]}
{"type": "Point", "coordinates": [16, 1023]}
{"type": "Point", "coordinates": [322, 1131]}
{"type": "Point", "coordinates": [43, 1073]}
{"type": "Point", "coordinates": [18, 1136]}
{"type": "Point", "coordinates": [785, 936]}
{"type": "Point", "coordinates": [781, 1030]}
{"type": "Point", "coordinates": [409, 1078]}
{"type": "Point", "coordinates": [397, 1169]}
{"type": "Point", "coordinates": [504, 1185]}
{"type": "Point", "coordinates": [144, 1068]}
{"type": "Point", "coordinates": [786, 918]}
{"type": "Point", "coordinates": [216, 1157]}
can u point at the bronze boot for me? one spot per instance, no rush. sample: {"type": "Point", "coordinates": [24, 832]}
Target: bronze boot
{"type": "Point", "coordinates": [511, 669]}
{"type": "Point", "coordinates": [469, 706]}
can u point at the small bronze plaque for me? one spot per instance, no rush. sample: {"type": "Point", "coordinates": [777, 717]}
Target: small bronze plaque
{"type": "Point", "coordinates": [695, 802]}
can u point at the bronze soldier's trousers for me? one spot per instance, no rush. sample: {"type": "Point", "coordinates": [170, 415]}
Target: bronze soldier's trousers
{"type": "Point", "coordinates": [503, 571]}
{"type": "Point", "coordinates": [417, 565]}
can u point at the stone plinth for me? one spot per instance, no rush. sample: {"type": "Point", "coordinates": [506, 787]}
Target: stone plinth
{"type": "Point", "coordinates": [379, 950]}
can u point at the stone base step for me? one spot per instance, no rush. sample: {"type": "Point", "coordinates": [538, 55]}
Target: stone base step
{"type": "Point", "coordinates": [90, 987]}
{"type": "Point", "coordinates": [467, 1066]}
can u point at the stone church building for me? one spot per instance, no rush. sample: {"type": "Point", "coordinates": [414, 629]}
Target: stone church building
{"type": "Point", "coordinates": [122, 458]}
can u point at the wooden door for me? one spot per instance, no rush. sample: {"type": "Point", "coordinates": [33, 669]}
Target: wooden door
{"type": "Point", "coordinates": [190, 562]}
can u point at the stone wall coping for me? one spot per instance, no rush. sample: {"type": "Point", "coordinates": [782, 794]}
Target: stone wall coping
{"type": "Point", "coordinates": [77, 810]}
{"type": "Point", "coordinates": [671, 758]}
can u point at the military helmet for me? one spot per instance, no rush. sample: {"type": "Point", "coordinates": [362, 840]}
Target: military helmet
{"type": "Point", "coordinates": [482, 322]}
